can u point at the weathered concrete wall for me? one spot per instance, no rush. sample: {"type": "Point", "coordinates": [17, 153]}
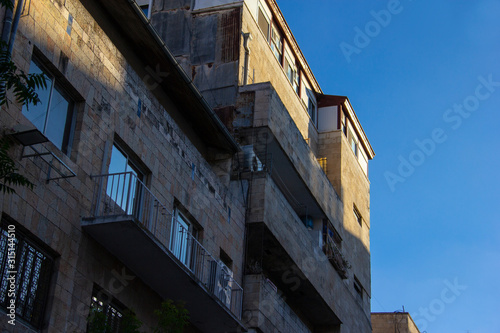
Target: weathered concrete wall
{"type": "Point", "coordinates": [267, 310]}
{"type": "Point", "coordinates": [269, 100]}
{"type": "Point", "coordinates": [269, 205]}
{"type": "Point", "coordinates": [206, 44]}
{"type": "Point", "coordinates": [349, 180]}
{"type": "Point", "coordinates": [269, 111]}
{"type": "Point", "coordinates": [268, 69]}
{"type": "Point", "coordinates": [343, 170]}
{"type": "Point", "coordinates": [107, 89]}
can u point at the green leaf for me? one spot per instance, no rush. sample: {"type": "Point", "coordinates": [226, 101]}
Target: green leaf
{"type": "Point", "coordinates": [9, 176]}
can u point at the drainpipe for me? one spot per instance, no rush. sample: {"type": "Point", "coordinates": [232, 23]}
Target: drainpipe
{"type": "Point", "coordinates": [246, 38]}
{"type": "Point", "coordinates": [7, 24]}
{"type": "Point", "coordinates": [13, 32]}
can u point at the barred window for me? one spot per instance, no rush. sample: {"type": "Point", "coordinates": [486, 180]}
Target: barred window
{"type": "Point", "coordinates": [105, 312]}
{"type": "Point", "coordinates": [25, 275]}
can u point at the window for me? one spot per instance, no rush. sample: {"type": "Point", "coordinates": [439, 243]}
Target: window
{"type": "Point", "coordinates": [145, 10]}
{"type": "Point", "coordinates": [331, 234]}
{"type": "Point", "coordinates": [311, 106]}
{"type": "Point", "coordinates": [28, 291]}
{"type": "Point", "coordinates": [182, 239]}
{"type": "Point", "coordinates": [357, 215]}
{"type": "Point", "coordinates": [54, 115]}
{"type": "Point", "coordinates": [276, 43]}
{"type": "Point", "coordinates": [296, 82]}
{"type": "Point", "coordinates": [358, 288]}
{"type": "Point", "coordinates": [354, 146]}
{"type": "Point", "coordinates": [344, 127]}
{"type": "Point", "coordinates": [226, 260]}
{"type": "Point", "coordinates": [354, 143]}
{"type": "Point", "coordinates": [124, 181]}
{"type": "Point", "coordinates": [145, 6]}
{"type": "Point", "coordinates": [106, 313]}
{"type": "Point", "coordinates": [291, 72]}
{"type": "Point", "coordinates": [264, 22]}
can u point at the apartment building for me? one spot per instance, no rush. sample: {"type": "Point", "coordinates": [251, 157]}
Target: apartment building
{"type": "Point", "coordinates": [183, 150]}
{"type": "Point", "coordinates": [133, 201]}
{"type": "Point", "coordinates": [305, 159]}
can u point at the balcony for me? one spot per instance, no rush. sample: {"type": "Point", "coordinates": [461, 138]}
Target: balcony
{"type": "Point", "coordinates": [335, 256]}
{"type": "Point", "coordinates": [133, 225]}
{"type": "Point", "coordinates": [280, 247]}
{"type": "Point", "coordinates": [280, 146]}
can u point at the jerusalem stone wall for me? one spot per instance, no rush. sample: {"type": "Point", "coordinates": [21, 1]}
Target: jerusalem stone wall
{"type": "Point", "coordinates": [106, 90]}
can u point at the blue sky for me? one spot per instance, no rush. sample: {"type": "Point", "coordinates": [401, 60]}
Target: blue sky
{"type": "Point", "coordinates": [435, 230]}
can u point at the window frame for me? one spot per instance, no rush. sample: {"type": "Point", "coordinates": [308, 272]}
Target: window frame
{"type": "Point", "coordinates": [354, 143]}
{"type": "Point", "coordinates": [358, 288]}
{"type": "Point", "coordinates": [343, 123]}
{"type": "Point", "coordinates": [311, 102]}
{"type": "Point", "coordinates": [330, 231]}
{"type": "Point", "coordinates": [133, 166]}
{"type": "Point", "coordinates": [262, 13]}
{"type": "Point", "coordinates": [184, 253]}
{"type": "Point", "coordinates": [54, 84]}
{"type": "Point", "coordinates": [357, 215]}
{"type": "Point", "coordinates": [276, 42]}
{"type": "Point", "coordinates": [291, 71]}
{"type": "Point", "coordinates": [111, 307]}
{"type": "Point", "coordinates": [23, 263]}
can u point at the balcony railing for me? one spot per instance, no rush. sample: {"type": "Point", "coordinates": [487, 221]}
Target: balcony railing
{"type": "Point", "coordinates": [335, 256]}
{"type": "Point", "coordinates": [123, 194]}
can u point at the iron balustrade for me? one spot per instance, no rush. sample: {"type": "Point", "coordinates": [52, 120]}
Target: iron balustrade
{"type": "Point", "coordinates": [211, 272]}
{"type": "Point", "coordinates": [123, 194]}
{"type": "Point", "coordinates": [336, 257]}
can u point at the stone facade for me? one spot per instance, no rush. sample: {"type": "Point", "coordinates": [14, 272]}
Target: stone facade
{"type": "Point", "coordinates": [384, 322]}
{"type": "Point", "coordinates": [267, 96]}
{"type": "Point", "coordinates": [114, 102]}
{"type": "Point", "coordinates": [270, 114]}
{"type": "Point", "coordinates": [274, 243]}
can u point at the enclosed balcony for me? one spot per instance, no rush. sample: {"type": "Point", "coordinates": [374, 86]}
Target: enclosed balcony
{"type": "Point", "coordinates": [133, 225]}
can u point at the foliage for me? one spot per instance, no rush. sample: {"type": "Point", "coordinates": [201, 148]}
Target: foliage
{"type": "Point", "coordinates": [23, 85]}
{"type": "Point", "coordinates": [172, 318]}
{"type": "Point", "coordinates": [130, 323]}
{"type": "Point", "coordinates": [24, 88]}
{"type": "Point", "coordinates": [8, 172]}
{"type": "Point", "coordinates": [97, 322]}
{"type": "Point", "coordinates": [9, 4]}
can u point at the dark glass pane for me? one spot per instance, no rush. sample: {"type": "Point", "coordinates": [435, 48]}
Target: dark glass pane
{"type": "Point", "coordinates": [37, 113]}
{"type": "Point", "coordinates": [58, 119]}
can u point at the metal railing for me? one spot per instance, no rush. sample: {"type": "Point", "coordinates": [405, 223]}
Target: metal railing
{"type": "Point", "coordinates": [123, 194]}
{"type": "Point", "coordinates": [334, 254]}
{"type": "Point", "coordinates": [250, 160]}
{"type": "Point", "coordinates": [211, 272]}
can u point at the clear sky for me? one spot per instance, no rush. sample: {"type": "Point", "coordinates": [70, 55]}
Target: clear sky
{"type": "Point", "coordinates": [424, 80]}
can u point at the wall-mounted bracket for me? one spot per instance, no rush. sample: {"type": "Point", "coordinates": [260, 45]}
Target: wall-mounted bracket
{"type": "Point", "coordinates": [33, 137]}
